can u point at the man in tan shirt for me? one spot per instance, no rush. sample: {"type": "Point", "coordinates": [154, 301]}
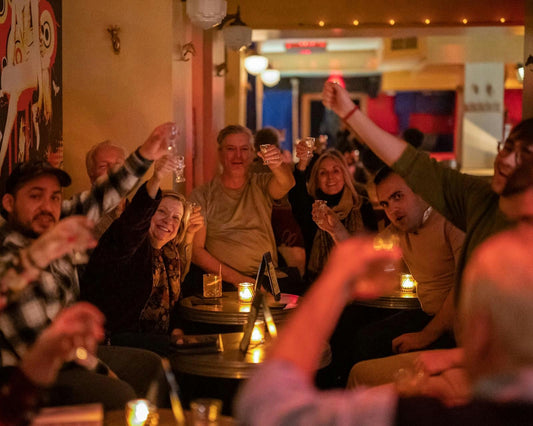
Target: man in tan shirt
{"type": "Point", "coordinates": [237, 207]}
{"type": "Point", "coordinates": [430, 248]}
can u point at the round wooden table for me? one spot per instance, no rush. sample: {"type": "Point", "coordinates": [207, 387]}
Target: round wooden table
{"type": "Point", "coordinates": [117, 418]}
{"type": "Point", "coordinates": [227, 310]}
{"type": "Point", "coordinates": [396, 300]}
{"type": "Point", "coordinates": [231, 363]}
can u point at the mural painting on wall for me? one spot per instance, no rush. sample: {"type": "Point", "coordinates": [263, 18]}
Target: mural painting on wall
{"type": "Point", "coordinates": [31, 110]}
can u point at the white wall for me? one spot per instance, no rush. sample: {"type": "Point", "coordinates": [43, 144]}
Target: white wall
{"type": "Point", "coordinates": [108, 96]}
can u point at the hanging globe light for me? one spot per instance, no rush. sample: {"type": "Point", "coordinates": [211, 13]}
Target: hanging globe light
{"type": "Point", "coordinates": [255, 64]}
{"type": "Point", "coordinates": [270, 77]}
{"type": "Point", "coordinates": [206, 13]}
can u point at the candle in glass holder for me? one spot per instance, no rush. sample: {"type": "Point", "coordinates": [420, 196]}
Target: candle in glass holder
{"type": "Point", "coordinates": [408, 283]}
{"type": "Point", "coordinates": [246, 292]}
{"type": "Point", "coordinates": [140, 412]}
{"type": "Point", "coordinates": [258, 333]}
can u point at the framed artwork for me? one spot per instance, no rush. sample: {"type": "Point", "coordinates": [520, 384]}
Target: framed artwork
{"type": "Point", "coordinates": [31, 110]}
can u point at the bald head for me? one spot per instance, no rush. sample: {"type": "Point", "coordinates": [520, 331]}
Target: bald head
{"type": "Point", "coordinates": [496, 307]}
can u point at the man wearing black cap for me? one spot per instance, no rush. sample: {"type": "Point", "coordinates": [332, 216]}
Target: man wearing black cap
{"type": "Point", "coordinates": [34, 242]}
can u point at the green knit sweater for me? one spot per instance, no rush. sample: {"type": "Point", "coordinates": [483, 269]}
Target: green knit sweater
{"type": "Point", "coordinates": [466, 201]}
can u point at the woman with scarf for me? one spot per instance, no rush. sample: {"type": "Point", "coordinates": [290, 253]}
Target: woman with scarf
{"type": "Point", "coordinates": [328, 208]}
{"type": "Point", "coordinates": [135, 273]}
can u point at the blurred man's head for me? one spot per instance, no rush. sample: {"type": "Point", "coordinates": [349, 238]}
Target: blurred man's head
{"type": "Point", "coordinates": [103, 158]}
{"type": "Point", "coordinates": [32, 200]}
{"type": "Point", "coordinates": [403, 207]}
{"type": "Point", "coordinates": [496, 306]}
{"type": "Point", "coordinates": [267, 135]}
{"type": "Point", "coordinates": [517, 149]}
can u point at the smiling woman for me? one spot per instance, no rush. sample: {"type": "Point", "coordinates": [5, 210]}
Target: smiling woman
{"type": "Point", "coordinates": [134, 275]}
{"type": "Point", "coordinates": [329, 209]}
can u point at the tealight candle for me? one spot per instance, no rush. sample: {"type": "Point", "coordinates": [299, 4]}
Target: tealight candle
{"type": "Point", "coordinates": [140, 412]}
{"type": "Point", "coordinates": [246, 292]}
{"type": "Point", "coordinates": [408, 283]}
{"type": "Point", "coordinates": [258, 333]}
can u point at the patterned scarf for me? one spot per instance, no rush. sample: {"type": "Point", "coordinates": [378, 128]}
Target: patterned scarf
{"type": "Point", "coordinates": [323, 243]}
{"type": "Point", "coordinates": [166, 287]}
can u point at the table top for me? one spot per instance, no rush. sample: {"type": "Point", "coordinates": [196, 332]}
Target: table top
{"type": "Point", "coordinates": [117, 418]}
{"type": "Point", "coordinates": [227, 310]}
{"type": "Point", "coordinates": [396, 300]}
{"type": "Point", "coordinates": [231, 363]}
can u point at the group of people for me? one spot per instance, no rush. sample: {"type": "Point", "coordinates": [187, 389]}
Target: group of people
{"type": "Point", "coordinates": [487, 308]}
{"type": "Point", "coordinates": [55, 313]}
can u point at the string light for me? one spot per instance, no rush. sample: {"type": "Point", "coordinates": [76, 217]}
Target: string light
{"type": "Point", "coordinates": [355, 22]}
{"type": "Point", "coordinates": [392, 22]}
{"type": "Point", "coordinates": [321, 23]}
{"type": "Point", "coordinates": [465, 21]}
{"type": "Point", "coordinates": [427, 21]}
{"type": "Point", "coordinates": [502, 20]}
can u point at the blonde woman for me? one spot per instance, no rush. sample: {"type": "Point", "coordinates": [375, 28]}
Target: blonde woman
{"type": "Point", "coordinates": [328, 208]}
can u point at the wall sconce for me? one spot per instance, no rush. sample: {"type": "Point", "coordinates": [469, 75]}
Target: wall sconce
{"type": "Point", "coordinates": [115, 41]}
{"type": "Point", "coordinates": [186, 49]}
{"type": "Point", "coordinates": [237, 35]}
{"type": "Point", "coordinates": [255, 64]}
{"type": "Point", "coordinates": [270, 77]}
{"type": "Point", "coordinates": [206, 13]}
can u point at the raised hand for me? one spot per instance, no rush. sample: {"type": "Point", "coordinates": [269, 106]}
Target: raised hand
{"type": "Point", "coordinates": [337, 99]}
{"type": "Point", "coordinates": [271, 156]}
{"type": "Point", "coordinates": [71, 234]}
{"type": "Point", "coordinates": [156, 146]}
{"type": "Point", "coordinates": [367, 273]}
{"type": "Point", "coordinates": [304, 154]}
{"type": "Point", "coordinates": [79, 326]}
{"type": "Point", "coordinates": [165, 166]}
{"type": "Point", "coordinates": [196, 220]}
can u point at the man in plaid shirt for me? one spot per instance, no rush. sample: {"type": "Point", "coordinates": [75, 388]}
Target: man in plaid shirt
{"type": "Point", "coordinates": [35, 243]}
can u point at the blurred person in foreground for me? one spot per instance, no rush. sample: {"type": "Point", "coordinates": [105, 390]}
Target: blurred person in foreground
{"type": "Point", "coordinates": [24, 387]}
{"type": "Point", "coordinates": [496, 322]}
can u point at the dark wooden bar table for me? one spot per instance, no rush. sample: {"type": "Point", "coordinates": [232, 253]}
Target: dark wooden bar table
{"type": "Point", "coordinates": [227, 310]}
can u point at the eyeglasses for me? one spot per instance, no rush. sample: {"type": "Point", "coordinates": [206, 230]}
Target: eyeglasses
{"type": "Point", "coordinates": [522, 152]}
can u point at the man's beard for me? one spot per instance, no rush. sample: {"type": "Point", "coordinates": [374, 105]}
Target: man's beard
{"type": "Point", "coordinates": [28, 231]}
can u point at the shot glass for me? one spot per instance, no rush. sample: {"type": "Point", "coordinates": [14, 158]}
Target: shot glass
{"type": "Point", "coordinates": [205, 411]}
{"type": "Point", "coordinates": [310, 144]}
{"type": "Point", "coordinates": [264, 148]}
{"type": "Point", "coordinates": [212, 285]}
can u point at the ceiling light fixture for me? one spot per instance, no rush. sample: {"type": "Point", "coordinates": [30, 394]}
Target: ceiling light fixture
{"type": "Point", "coordinates": [355, 22]}
{"type": "Point", "coordinates": [270, 77]}
{"type": "Point", "coordinates": [321, 23]}
{"type": "Point", "coordinates": [427, 21]}
{"type": "Point", "coordinates": [206, 13]}
{"type": "Point", "coordinates": [465, 21]}
{"type": "Point", "coordinates": [392, 22]}
{"type": "Point", "coordinates": [237, 35]}
{"type": "Point", "coordinates": [255, 64]}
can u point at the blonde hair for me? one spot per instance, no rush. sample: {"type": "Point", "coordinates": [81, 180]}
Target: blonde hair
{"type": "Point", "coordinates": [180, 235]}
{"type": "Point", "coordinates": [349, 182]}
